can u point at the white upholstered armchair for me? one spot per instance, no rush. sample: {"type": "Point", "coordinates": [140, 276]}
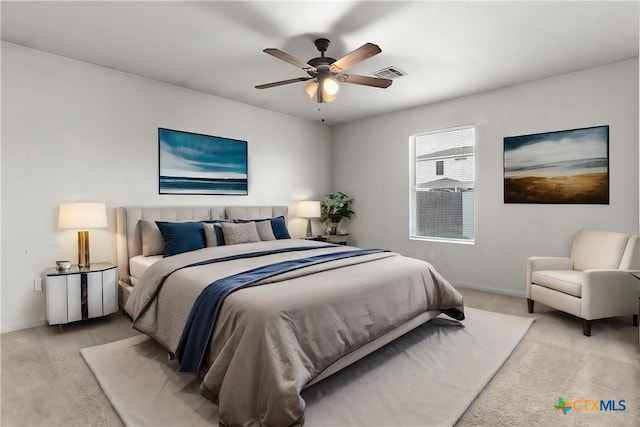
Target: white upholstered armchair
{"type": "Point", "coordinates": [593, 283]}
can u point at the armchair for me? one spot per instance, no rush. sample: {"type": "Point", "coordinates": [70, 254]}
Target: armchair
{"type": "Point", "coordinates": [594, 282]}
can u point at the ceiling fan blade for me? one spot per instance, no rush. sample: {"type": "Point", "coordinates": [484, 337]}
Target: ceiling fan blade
{"type": "Point", "coordinates": [365, 51]}
{"type": "Point", "coordinates": [365, 80]}
{"type": "Point", "coordinates": [288, 58]}
{"type": "Point", "coordinates": [283, 82]}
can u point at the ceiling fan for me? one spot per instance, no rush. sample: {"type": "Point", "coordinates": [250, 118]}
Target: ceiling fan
{"type": "Point", "coordinates": [326, 72]}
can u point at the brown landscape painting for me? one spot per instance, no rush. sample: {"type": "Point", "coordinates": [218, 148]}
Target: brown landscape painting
{"type": "Point", "coordinates": [570, 166]}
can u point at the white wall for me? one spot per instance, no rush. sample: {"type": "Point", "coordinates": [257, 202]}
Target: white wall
{"type": "Point", "coordinates": [72, 131]}
{"type": "Point", "coordinates": [77, 132]}
{"type": "Point", "coordinates": [371, 164]}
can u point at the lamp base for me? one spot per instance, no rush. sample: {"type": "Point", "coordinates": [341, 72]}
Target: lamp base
{"type": "Point", "coordinates": [83, 249]}
{"type": "Point", "coordinates": [309, 233]}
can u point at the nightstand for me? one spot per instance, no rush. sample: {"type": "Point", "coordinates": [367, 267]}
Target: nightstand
{"type": "Point", "coordinates": [79, 294]}
{"type": "Point", "coordinates": [338, 239]}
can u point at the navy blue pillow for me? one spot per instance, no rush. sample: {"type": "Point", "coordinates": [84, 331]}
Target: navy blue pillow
{"type": "Point", "coordinates": [278, 226]}
{"type": "Point", "coordinates": [181, 237]}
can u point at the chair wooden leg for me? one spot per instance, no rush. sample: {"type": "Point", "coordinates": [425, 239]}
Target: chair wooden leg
{"type": "Point", "coordinates": [586, 327]}
{"type": "Point", "coordinates": [530, 303]}
{"type": "Point", "coordinates": [635, 320]}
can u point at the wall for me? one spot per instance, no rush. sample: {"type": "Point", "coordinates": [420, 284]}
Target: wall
{"type": "Point", "coordinates": [72, 131]}
{"type": "Point", "coordinates": [371, 164]}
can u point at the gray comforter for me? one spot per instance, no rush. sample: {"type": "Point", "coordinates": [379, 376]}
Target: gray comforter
{"type": "Point", "coordinates": [270, 341]}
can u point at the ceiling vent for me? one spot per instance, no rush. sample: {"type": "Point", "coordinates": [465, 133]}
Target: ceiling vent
{"type": "Point", "coordinates": [390, 73]}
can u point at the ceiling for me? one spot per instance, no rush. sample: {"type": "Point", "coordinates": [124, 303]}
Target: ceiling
{"type": "Point", "coordinates": [448, 49]}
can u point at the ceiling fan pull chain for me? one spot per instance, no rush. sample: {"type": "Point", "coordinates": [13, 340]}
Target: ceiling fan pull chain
{"type": "Point", "coordinates": [320, 107]}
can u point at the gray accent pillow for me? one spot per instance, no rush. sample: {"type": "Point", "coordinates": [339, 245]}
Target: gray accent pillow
{"type": "Point", "coordinates": [235, 233]}
{"type": "Point", "coordinates": [152, 241]}
{"type": "Point", "coordinates": [265, 231]}
{"type": "Point", "coordinates": [210, 234]}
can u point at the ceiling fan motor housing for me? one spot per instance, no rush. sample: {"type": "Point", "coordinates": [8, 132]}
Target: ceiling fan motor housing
{"type": "Point", "coordinates": [322, 63]}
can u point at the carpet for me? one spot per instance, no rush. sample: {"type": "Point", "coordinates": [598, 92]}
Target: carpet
{"type": "Point", "coordinates": [427, 377]}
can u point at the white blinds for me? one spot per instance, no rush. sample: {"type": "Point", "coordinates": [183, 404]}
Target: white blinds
{"type": "Point", "coordinates": [443, 181]}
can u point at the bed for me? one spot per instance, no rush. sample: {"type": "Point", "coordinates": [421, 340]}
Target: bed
{"type": "Point", "coordinates": [301, 311]}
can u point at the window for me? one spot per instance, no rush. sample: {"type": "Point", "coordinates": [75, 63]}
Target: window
{"type": "Point", "coordinates": [442, 182]}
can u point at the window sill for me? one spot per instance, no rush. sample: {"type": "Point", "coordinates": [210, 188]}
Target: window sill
{"type": "Point", "coordinates": [443, 240]}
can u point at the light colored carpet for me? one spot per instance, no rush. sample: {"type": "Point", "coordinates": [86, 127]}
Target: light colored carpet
{"type": "Point", "coordinates": [46, 382]}
{"type": "Point", "coordinates": [427, 377]}
{"type": "Point", "coordinates": [556, 360]}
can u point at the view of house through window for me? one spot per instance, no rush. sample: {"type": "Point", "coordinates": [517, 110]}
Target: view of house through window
{"type": "Point", "coordinates": [442, 184]}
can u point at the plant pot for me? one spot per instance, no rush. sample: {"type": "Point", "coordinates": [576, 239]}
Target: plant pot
{"type": "Point", "coordinates": [332, 228]}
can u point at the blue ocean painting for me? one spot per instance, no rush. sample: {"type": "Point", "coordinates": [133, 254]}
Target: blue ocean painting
{"type": "Point", "coordinates": [192, 163]}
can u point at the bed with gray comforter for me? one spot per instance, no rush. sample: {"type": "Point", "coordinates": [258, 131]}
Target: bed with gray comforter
{"type": "Point", "coordinates": [274, 336]}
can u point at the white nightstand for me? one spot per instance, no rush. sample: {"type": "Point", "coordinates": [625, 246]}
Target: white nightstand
{"type": "Point", "coordinates": [79, 294]}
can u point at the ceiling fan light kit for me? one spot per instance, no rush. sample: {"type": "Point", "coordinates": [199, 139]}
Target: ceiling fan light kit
{"type": "Point", "coordinates": [328, 95]}
{"type": "Point", "coordinates": [326, 72]}
{"type": "Point", "coordinates": [311, 88]}
{"type": "Point", "coordinates": [330, 85]}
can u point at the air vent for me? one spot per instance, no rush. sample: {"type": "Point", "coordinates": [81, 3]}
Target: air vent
{"type": "Point", "coordinates": [390, 73]}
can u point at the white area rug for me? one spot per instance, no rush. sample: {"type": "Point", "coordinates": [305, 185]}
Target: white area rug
{"type": "Point", "coordinates": [427, 377]}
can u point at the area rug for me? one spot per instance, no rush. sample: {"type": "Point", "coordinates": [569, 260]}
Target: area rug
{"type": "Point", "coordinates": [427, 377]}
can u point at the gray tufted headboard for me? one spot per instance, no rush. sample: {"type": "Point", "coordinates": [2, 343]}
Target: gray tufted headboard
{"type": "Point", "coordinates": [129, 240]}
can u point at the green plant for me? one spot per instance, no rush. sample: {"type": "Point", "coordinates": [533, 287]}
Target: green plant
{"type": "Point", "coordinates": [336, 206]}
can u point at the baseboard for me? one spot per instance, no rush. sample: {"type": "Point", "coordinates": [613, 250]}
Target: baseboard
{"type": "Point", "coordinates": [500, 291]}
{"type": "Point", "coordinates": [18, 326]}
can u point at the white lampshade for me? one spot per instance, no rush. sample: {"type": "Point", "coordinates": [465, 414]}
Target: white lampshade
{"type": "Point", "coordinates": [82, 216]}
{"type": "Point", "coordinates": [309, 209]}
{"type": "Point", "coordinates": [311, 88]}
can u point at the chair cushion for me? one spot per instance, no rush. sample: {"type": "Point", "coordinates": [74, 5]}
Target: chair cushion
{"type": "Point", "coordinates": [596, 249]}
{"type": "Point", "coordinates": [565, 281]}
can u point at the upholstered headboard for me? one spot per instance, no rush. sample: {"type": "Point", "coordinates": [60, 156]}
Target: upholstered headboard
{"type": "Point", "coordinates": [129, 239]}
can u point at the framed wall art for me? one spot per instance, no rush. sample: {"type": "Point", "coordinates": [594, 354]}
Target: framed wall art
{"type": "Point", "coordinates": [192, 163]}
{"type": "Point", "coordinates": [564, 167]}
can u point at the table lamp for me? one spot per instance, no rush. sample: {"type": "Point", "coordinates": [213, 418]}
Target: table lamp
{"type": "Point", "coordinates": [82, 216]}
{"type": "Point", "coordinates": [309, 209]}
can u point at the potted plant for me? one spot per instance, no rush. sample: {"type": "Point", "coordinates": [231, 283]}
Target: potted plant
{"type": "Point", "coordinates": [334, 207]}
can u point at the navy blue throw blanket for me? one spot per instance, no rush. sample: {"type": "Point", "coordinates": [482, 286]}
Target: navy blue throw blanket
{"type": "Point", "coordinates": [199, 327]}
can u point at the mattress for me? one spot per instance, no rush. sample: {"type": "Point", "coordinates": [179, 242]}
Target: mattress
{"type": "Point", "coordinates": [139, 264]}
